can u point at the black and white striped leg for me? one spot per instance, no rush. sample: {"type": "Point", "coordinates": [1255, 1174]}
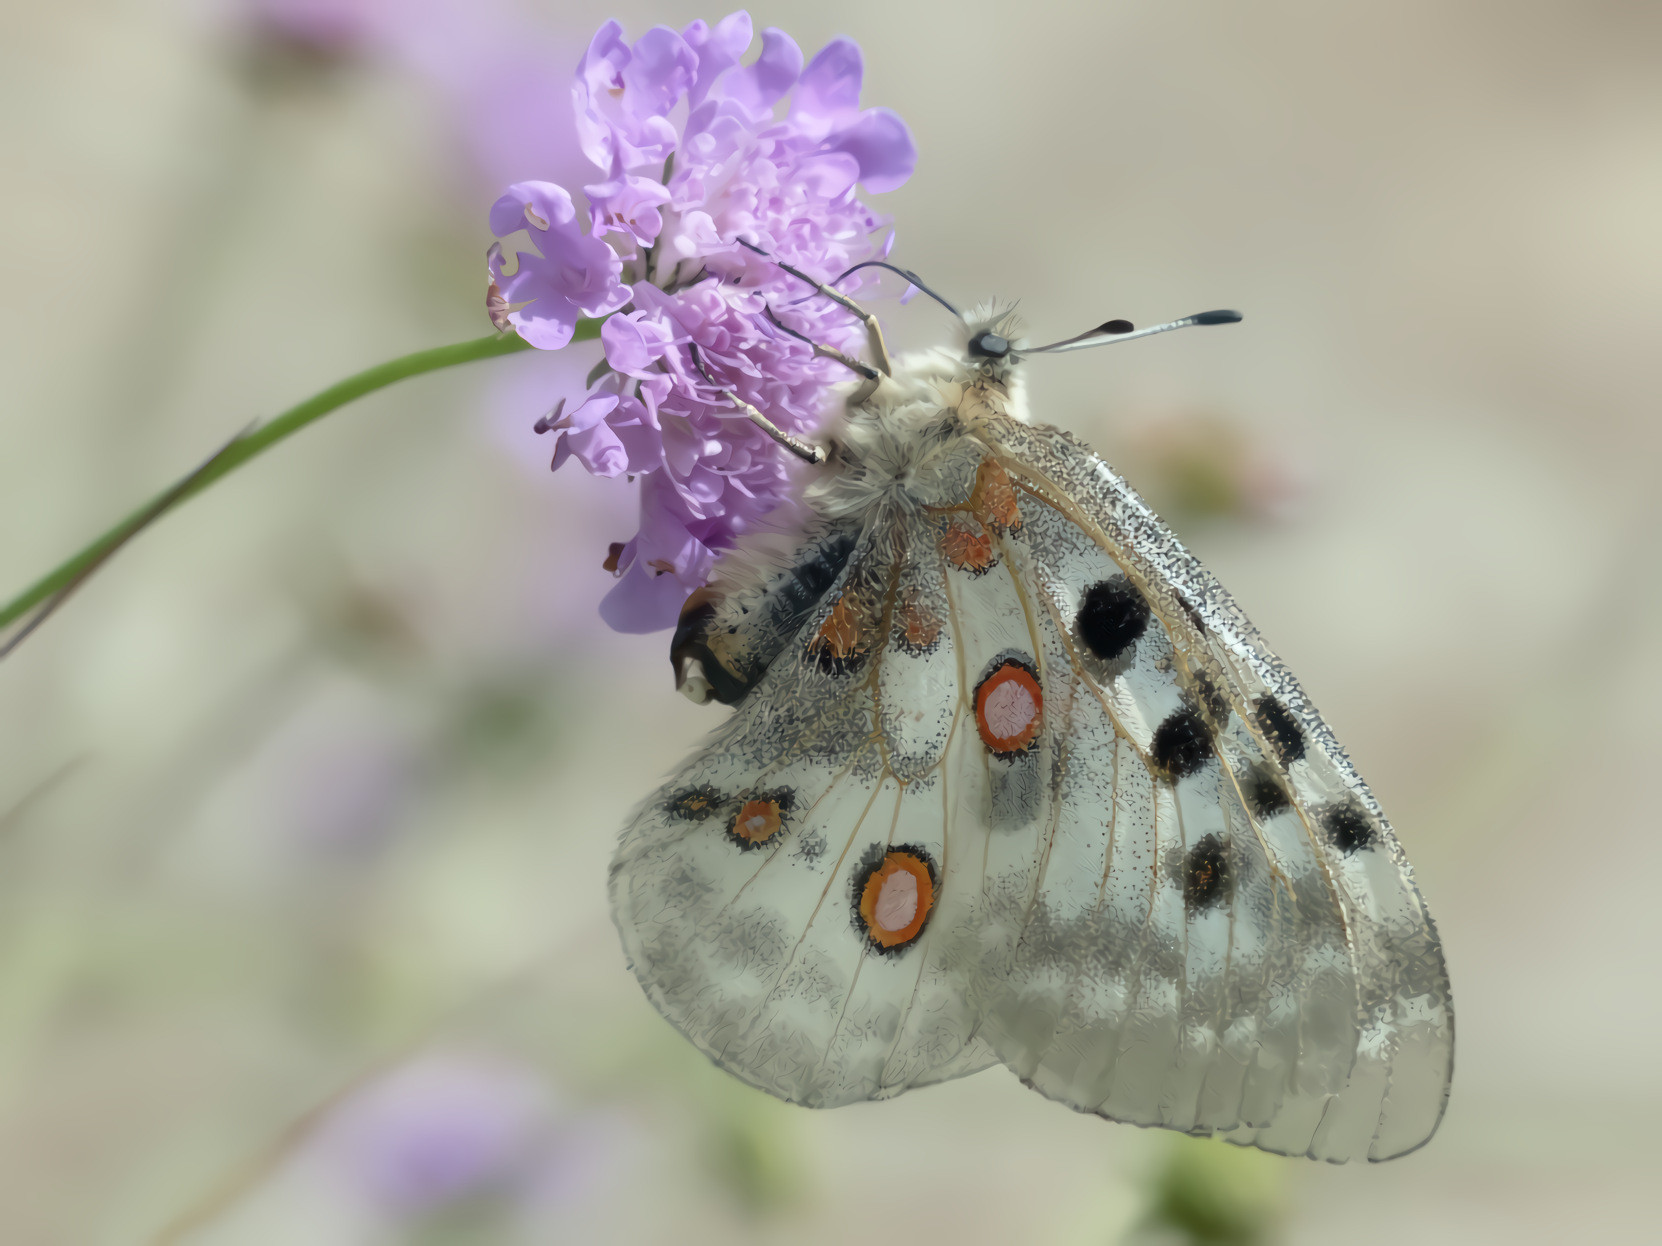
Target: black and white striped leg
{"type": "Point", "coordinates": [806, 451]}
{"type": "Point", "coordinates": [874, 330]}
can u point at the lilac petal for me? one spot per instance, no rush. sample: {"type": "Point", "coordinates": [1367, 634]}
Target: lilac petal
{"type": "Point", "coordinates": [685, 445]}
{"type": "Point", "coordinates": [661, 68]}
{"type": "Point", "coordinates": [664, 543]}
{"type": "Point", "coordinates": [882, 145]}
{"type": "Point", "coordinates": [599, 450]}
{"type": "Point", "coordinates": [830, 87]}
{"type": "Point", "coordinates": [605, 56]}
{"type": "Point", "coordinates": [830, 174]}
{"type": "Point", "coordinates": [764, 81]}
{"type": "Point", "coordinates": [718, 50]}
{"type": "Point", "coordinates": [628, 345]}
{"type": "Point", "coordinates": [549, 204]}
{"type": "Point", "coordinates": [550, 332]}
{"type": "Point", "coordinates": [642, 445]}
{"type": "Point", "coordinates": [628, 205]}
{"type": "Point", "coordinates": [643, 602]}
{"type": "Point", "coordinates": [575, 274]}
{"type": "Point", "coordinates": [591, 411]}
{"type": "Point", "coordinates": [598, 73]}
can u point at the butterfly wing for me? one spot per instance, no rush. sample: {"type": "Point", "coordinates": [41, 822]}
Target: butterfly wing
{"type": "Point", "coordinates": [1011, 778]}
{"type": "Point", "coordinates": [1225, 936]}
{"type": "Point", "coordinates": [821, 896]}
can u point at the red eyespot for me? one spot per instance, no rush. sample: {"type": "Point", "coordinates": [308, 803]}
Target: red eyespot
{"type": "Point", "coordinates": [1008, 709]}
{"type": "Point", "coordinates": [756, 821]}
{"type": "Point", "coordinates": [896, 899]}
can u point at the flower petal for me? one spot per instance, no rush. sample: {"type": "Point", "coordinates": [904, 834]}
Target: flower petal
{"type": "Point", "coordinates": [828, 93]}
{"type": "Point", "coordinates": [883, 146]}
{"type": "Point", "coordinates": [762, 83]}
{"type": "Point", "coordinates": [643, 602]}
{"type": "Point", "coordinates": [660, 70]}
{"type": "Point", "coordinates": [718, 50]}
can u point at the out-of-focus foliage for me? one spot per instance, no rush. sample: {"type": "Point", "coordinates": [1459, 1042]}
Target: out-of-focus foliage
{"type": "Point", "coordinates": [1209, 1194]}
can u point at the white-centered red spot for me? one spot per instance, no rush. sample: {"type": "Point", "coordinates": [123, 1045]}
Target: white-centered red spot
{"type": "Point", "coordinates": [896, 898]}
{"type": "Point", "coordinates": [897, 901]}
{"type": "Point", "coordinates": [756, 821]}
{"type": "Point", "coordinates": [1008, 708]}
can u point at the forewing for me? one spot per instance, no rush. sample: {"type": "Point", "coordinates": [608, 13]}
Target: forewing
{"type": "Point", "coordinates": [1226, 937]}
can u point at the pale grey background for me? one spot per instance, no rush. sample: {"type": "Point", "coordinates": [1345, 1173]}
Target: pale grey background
{"type": "Point", "coordinates": [328, 765]}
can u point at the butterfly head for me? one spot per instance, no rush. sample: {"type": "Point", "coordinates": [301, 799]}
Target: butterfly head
{"type": "Point", "coordinates": [992, 349]}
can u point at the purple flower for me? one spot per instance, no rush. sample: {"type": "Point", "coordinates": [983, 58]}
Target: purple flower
{"type": "Point", "coordinates": [441, 1127]}
{"type": "Point", "coordinates": [704, 161]}
{"type": "Point", "coordinates": [456, 1125]}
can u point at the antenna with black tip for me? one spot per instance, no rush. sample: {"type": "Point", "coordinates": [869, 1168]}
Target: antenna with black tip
{"type": "Point", "coordinates": [1124, 331]}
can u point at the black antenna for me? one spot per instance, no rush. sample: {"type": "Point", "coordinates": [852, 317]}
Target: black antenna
{"type": "Point", "coordinates": [903, 272]}
{"type": "Point", "coordinates": [1124, 331]}
{"type": "Point", "coordinates": [825, 287]}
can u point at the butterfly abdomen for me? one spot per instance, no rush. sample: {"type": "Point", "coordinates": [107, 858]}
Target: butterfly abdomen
{"type": "Point", "coordinates": [730, 633]}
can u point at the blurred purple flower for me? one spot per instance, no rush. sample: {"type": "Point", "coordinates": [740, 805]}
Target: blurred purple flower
{"type": "Point", "coordinates": [456, 1125]}
{"type": "Point", "coordinates": [326, 27]}
{"type": "Point", "coordinates": [442, 1127]}
{"type": "Point", "coordinates": [486, 61]}
{"type": "Point", "coordinates": [694, 161]}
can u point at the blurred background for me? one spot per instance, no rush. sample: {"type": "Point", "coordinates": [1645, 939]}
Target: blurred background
{"type": "Point", "coordinates": [306, 799]}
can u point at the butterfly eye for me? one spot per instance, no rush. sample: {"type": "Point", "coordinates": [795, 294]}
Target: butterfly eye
{"type": "Point", "coordinates": [989, 345]}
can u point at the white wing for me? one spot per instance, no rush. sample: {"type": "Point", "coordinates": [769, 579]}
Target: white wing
{"type": "Point", "coordinates": [751, 890]}
{"type": "Point", "coordinates": [1226, 937]}
{"type": "Point", "coordinates": [1010, 777]}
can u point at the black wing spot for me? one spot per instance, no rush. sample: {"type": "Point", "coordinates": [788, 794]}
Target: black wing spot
{"type": "Point", "coordinates": [1207, 878]}
{"type": "Point", "coordinates": [1281, 730]}
{"type": "Point", "coordinates": [1264, 793]}
{"type": "Point", "coordinates": [1112, 615]}
{"type": "Point", "coordinates": [1348, 826]}
{"type": "Point", "coordinates": [1182, 744]}
{"type": "Point", "coordinates": [1211, 697]}
{"type": "Point", "coordinates": [835, 665]}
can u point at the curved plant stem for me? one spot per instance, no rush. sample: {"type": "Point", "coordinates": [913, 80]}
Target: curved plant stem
{"type": "Point", "coordinates": [51, 589]}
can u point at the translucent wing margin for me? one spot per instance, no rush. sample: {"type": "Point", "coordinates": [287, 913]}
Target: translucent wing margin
{"type": "Point", "coordinates": [1226, 937]}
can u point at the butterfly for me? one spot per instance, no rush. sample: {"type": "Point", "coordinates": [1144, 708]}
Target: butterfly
{"type": "Point", "coordinates": [1009, 778]}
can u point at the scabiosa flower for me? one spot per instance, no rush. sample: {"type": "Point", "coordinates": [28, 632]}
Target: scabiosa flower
{"type": "Point", "coordinates": [705, 162]}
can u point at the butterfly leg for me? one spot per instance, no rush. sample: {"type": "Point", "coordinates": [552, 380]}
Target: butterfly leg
{"type": "Point", "coordinates": [826, 352]}
{"type": "Point", "coordinates": [804, 450]}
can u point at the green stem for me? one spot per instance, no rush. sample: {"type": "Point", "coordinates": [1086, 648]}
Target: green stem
{"type": "Point", "coordinates": [260, 439]}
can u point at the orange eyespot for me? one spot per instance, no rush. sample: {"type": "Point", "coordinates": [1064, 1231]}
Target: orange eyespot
{"type": "Point", "coordinates": [1008, 708]}
{"type": "Point", "coordinates": [839, 635]}
{"type": "Point", "coordinates": [896, 898]}
{"type": "Point", "coordinates": [993, 501]}
{"type": "Point", "coordinates": [917, 628]}
{"type": "Point", "coordinates": [756, 821]}
{"type": "Point", "coordinates": [966, 548]}
{"type": "Point", "coordinates": [839, 644]}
